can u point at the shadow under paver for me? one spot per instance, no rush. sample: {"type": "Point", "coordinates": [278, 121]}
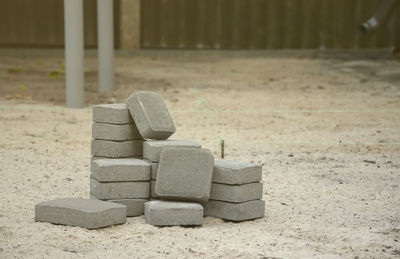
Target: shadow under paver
{"type": "Point", "coordinates": [236, 193]}
{"type": "Point", "coordinates": [235, 211]}
{"type": "Point", "coordinates": [234, 172]}
{"type": "Point", "coordinates": [151, 115]}
{"type": "Point", "coordinates": [116, 113]}
{"type": "Point", "coordinates": [85, 213]}
{"type": "Point", "coordinates": [152, 148]}
{"type": "Point", "coordinates": [185, 174]}
{"type": "Point", "coordinates": [119, 190]}
{"type": "Point", "coordinates": [171, 213]}
{"type": "Point", "coordinates": [121, 170]}
{"type": "Point", "coordinates": [115, 132]}
{"type": "Point", "coordinates": [117, 149]}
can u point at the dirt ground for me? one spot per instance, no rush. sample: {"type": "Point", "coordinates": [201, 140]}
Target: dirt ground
{"type": "Point", "coordinates": [326, 131]}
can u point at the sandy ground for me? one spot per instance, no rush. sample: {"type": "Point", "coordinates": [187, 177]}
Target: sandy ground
{"type": "Point", "coordinates": [327, 133]}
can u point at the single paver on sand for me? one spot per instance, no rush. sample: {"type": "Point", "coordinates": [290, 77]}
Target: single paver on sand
{"type": "Point", "coordinates": [116, 113]}
{"type": "Point", "coordinates": [85, 213]}
{"type": "Point", "coordinates": [152, 148]}
{"type": "Point", "coordinates": [116, 149]}
{"type": "Point", "coordinates": [235, 211]}
{"type": "Point", "coordinates": [234, 172]}
{"type": "Point", "coordinates": [115, 132]}
{"type": "Point", "coordinates": [172, 213]}
{"type": "Point", "coordinates": [121, 170]}
{"type": "Point", "coordinates": [151, 115]}
{"type": "Point", "coordinates": [185, 174]}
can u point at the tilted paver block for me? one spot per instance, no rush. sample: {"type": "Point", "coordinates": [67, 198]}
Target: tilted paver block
{"type": "Point", "coordinates": [116, 113]}
{"type": "Point", "coordinates": [119, 190]}
{"type": "Point", "coordinates": [234, 172]}
{"type": "Point", "coordinates": [235, 211]}
{"type": "Point", "coordinates": [134, 207]}
{"type": "Point", "coordinates": [120, 170]}
{"type": "Point", "coordinates": [115, 149]}
{"type": "Point", "coordinates": [171, 213]}
{"type": "Point", "coordinates": [152, 148]}
{"type": "Point", "coordinates": [236, 193]}
{"type": "Point", "coordinates": [115, 132]}
{"type": "Point", "coordinates": [150, 114]}
{"type": "Point", "coordinates": [85, 213]}
{"type": "Point", "coordinates": [153, 193]}
{"type": "Point", "coordinates": [185, 174]}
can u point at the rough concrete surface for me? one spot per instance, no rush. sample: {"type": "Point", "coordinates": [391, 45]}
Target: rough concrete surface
{"type": "Point", "coordinates": [119, 190]}
{"type": "Point", "coordinates": [116, 149]}
{"type": "Point", "coordinates": [134, 207]}
{"type": "Point", "coordinates": [152, 148]}
{"type": "Point", "coordinates": [235, 211]}
{"type": "Point", "coordinates": [154, 168]}
{"type": "Point", "coordinates": [326, 140]}
{"type": "Point", "coordinates": [121, 170]}
{"type": "Point", "coordinates": [236, 172]}
{"type": "Point", "coordinates": [185, 174]}
{"type": "Point", "coordinates": [115, 132]}
{"type": "Point", "coordinates": [153, 193]}
{"type": "Point", "coordinates": [114, 113]}
{"type": "Point", "coordinates": [78, 212]}
{"type": "Point", "coordinates": [172, 213]}
{"type": "Point", "coordinates": [150, 115]}
{"type": "Point", "coordinates": [236, 193]}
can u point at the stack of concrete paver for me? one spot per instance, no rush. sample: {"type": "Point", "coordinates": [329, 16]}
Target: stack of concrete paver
{"type": "Point", "coordinates": [118, 173]}
{"type": "Point", "coordinates": [171, 182]}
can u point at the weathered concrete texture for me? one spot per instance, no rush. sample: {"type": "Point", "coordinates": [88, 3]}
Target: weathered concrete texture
{"type": "Point", "coordinates": [119, 190]}
{"type": "Point", "coordinates": [154, 168]}
{"type": "Point", "coordinates": [85, 213]}
{"type": "Point", "coordinates": [235, 211]}
{"type": "Point", "coordinates": [115, 132]}
{"type": "Point", "coordinates": [185, 174]}
{"type": "Point", "coordinates": [170, 213]}
{"type": "Point", "coordinates": [121, 170]}
{"type": "Point", "coordinates": [116, 113]}
{"type": "Point", "coordinates": [134, 207]}
{"type": "Point", "coordinates": [152, 148]}
{"type": "Point", "coordinates": [236, 193]}
{"type": "Point", "coordinates": [234, 172]}
{"type": "Point", "coordinates": [93, 158]}
{"type": "Point", "coordinates": [116, 149]}
{"type": "Point", "coordinates": [150, 114]}
{"type": "Point", "coordinates": [153, 193]}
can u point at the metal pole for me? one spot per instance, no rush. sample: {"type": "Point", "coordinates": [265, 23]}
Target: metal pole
{"type": "Point", "coordinates": [74, 77]}
{"type": "Point", "coordinates": [105, 41]}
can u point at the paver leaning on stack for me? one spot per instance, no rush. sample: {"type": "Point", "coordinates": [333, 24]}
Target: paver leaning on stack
{"type": "Point", "coordinates": [236, 191]}
{"type": "Point", "coordinates": [118, 173]}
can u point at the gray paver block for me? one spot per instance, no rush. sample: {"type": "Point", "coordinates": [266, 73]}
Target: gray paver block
{"type": "Point", "coordinates": [116, 149]}
{"type": "Point", "coordinates": [85, 213]}
{"type": "Point", "coordinates": [185, 174]}
{"type": "Point", "coordinates": [152, 148]}
{"type": "Point", "coordinates": [235, 211]}
{"type": "Point", "coordinates": [153, 193]}
{"type": "Point", "coordinates": [93, 158]}
{"type": "Point", "coordinates": [134, 207]}
{"type": "Point", "coordinates": [115, 132]}
{"type": "Point", "coordinates": [154, 168]}
{"type": "Point", "coordinates": [236, 193]}
{"type": "Point", "coordinates": [119, 190]}
{"type": "Point", "coordinates": [171, 213]}
{"type": "Point", "coordinates": [121, 170]}
{"type": "Point", "coordinates": [234, 172]}
{"type": "Point", "coordinates": [150, 114]}
{"type": "Point", "coordinates": [116, 113]}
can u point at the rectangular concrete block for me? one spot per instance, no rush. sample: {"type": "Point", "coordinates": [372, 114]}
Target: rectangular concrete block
{"type": "Point", "coordinates": [171, 213]}
{"type": "Point", "coordinates": [78, 212]}
{"type": "Point", "coordinates": [93, 158]}
{"type": "Point", "coordinates": [236, 193]}
{"type": "Point", "coordinates": [152, 148]}
{"type": "Point", "coordinates": [115, 132]}
{"type": "Point", "coordinates": [121, 170]}
{"type": "Point", "coordinates": [116, 113]}
{"type": "Point", "coordinates": [117, 149]}
{"type": "Point", "coordinates": [119, 190]}
{"type": "Point", "coordinates": [235, 211]}
{"type": "Point", "coordinates": [151, 115]}
{"type": "Point", "coordinates": [153, 193]}
{"type": "Point", "coordinates": [154, 168]}
{"type": "Point", "coordinates": [134, 207]}
{"type": "Point", "coordinates": [185, 174]}
{"type": "Point", "coordinates": [234, 172]}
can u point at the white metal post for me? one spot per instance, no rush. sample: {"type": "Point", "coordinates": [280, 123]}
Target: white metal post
{"type": "Point", "coordinates": [74, 69]}
{"type": "Point", "coordinates": [105, 42]}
